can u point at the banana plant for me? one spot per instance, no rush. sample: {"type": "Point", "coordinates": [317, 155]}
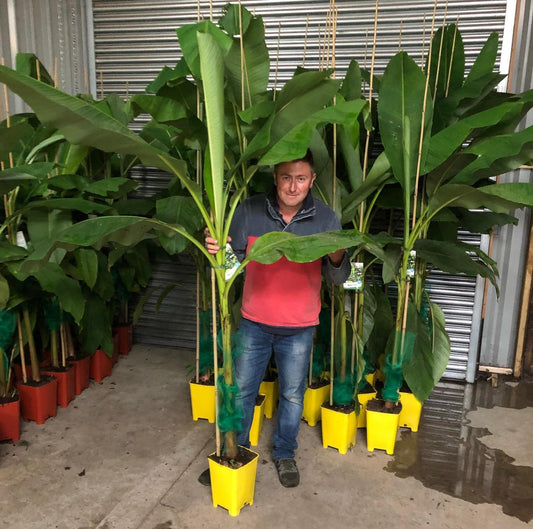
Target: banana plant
{"type": "Point", "coordinates": [445, 138]}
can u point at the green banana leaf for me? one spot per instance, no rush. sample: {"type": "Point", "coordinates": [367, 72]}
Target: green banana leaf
{"type": "Point", "coordinates": [453, 257]}
{"type": "Point", "coordinates": [87, 264]}
{"type": "Point", "coordinates": [403, 119]}
{"type": "Point", "coordinates": [427, 363]}
{"type": "Point", "coordinates": [256, 63]}
{"type": "Point", "coordinates": [497, 155]}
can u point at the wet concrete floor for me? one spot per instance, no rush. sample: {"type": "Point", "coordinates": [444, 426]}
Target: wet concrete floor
{"type": "Point", "coordinates": [126, 455]}
{"type": "Point", "coordinates": [450, 454]}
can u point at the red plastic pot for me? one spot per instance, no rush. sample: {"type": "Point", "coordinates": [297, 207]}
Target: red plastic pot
{"type": "Point", "coordinates": [101, 365]}
{"type": "Point", "coordinates": [38, 401]}
{"type": "Point", "coordinates": [66, 383]}
{"type": "Point", "coordinates": [10, 420]}
{"type": "Point", "coordinates": [82, 373]}
{"type": "Point", "coordinates": [116, 348]}
{"type": "Point", "coordinates": [125, 333]}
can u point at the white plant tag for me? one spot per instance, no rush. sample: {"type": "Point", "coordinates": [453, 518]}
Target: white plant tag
{"type": "Point", "coordinates": [411, 261]}
{"type": "Point", "coordinates": [355, 279]}
{"type": "Point", "coordinates": [231, 263]}
{"type": "Point", "coordinates": [21, 240]}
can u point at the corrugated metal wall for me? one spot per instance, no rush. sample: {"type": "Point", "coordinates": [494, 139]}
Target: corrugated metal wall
{"type": "Point", "coordinates": [134, 39]}
{"type": "Point", "coordinates": [510, 244]}
{"type": "Point", "coordinates": [57, 31]}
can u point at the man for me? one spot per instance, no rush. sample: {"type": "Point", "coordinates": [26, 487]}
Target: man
{"type": "Point", "coordinates": [281, 302]}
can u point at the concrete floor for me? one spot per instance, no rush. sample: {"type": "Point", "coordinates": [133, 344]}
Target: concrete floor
{"type": "Point", "coordinates": [126, 455]}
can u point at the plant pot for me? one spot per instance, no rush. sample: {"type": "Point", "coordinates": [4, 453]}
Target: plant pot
{"type": "Point", "coordinates": [270, 389]}
{"type": "Point", "coordinates": [101, 365]}
{"type": "Point", "coordinates": [363, 398]}
{"type": "Point", "coordinates": [10, 419]}
{"type": "Point", "coordinates": [257, 421]}
{"type": "Point", "coordinates": [313, 400]}
{"type": "Point", "coordinates": [411, 411]}
{"type": "Point", "coordinates": [82, 373]}
{"type": "Point", "coordinates": [125, 334]}
{"type": "Point", "coordinates": [17, 370]}
{"type": "Point", "coordinates": [339, 428]}
{"type": "Point", "coordinates": [202, 401]}
{"type": "Point", "coordinates": [233, 488]}
{"type": "Point", "coordinates": [371, 378]}
{"type": "Point", "coordinates": [116, 349]}
{"type": "Point", "coordinates": [381, 428]}
{"type": "Point", "coordinates": [38, 401]}
{"type": "Point", "coordinates": [66, 383]}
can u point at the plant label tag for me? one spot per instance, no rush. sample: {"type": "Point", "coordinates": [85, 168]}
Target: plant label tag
{"type": "Point", "coordinates": [21, 240]}
{"type": "Point", "coordinates": [231, 263]}
{"type": "Point", "coordinates": [411, 261]}
{"type": "Point", "coordinates": [355, 279]}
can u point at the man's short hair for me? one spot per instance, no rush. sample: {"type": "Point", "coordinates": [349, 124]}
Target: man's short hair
{"type": "Point", "coordinates": [308, 158]}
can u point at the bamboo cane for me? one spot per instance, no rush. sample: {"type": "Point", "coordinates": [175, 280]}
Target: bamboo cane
{"type": "Point", "coordinates": [198, 159]}
{"type": "Point", "coordinates": [56, 77]}
{"type": "Point", "coordinates": [331, 353]}
{"type": "Point", "coordinates": [367, 141]}
{"type": "Point", "coordinates": [440, 48]}
{"type": "Point", "coordinates": [305, 39]}
{"type": "Point", "coordinates": [215, 358]}
{"type": "Point", "coordinates": [451, 58]}
{"type": "Point", "coordinates": [197, 357]}
{"type": "Point", "coordinates": [241, 42]}
{"type": "Point", "coordinates": [277, 62]}
{"type": "Point", "coordinates": [22, 355]}
{"type": "Point", "coordinates": [422, 65]}
{"type": "Point", "coordinates": [400, 37]}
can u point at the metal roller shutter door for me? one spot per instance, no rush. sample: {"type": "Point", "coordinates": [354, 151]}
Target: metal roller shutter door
{"type": "Point", "coordinates": [134, 39]}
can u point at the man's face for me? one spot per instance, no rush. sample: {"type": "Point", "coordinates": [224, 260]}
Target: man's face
{"type": "Point", "coordinates": [293, 181]}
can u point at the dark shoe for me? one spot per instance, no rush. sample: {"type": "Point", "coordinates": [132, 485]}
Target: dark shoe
{"type": "Point", "coordinates": [205, 478]}
{"type": "Point", "coordinates": [287, 472]}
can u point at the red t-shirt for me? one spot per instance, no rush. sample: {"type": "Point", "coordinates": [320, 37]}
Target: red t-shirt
{"type": "Point", "coordinates": [284, 293]}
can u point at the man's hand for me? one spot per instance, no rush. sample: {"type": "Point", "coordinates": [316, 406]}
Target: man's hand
{"type": "Point", "coordinates": [211, 244]}
{"type": "Point", "coordinates": [335, 257]}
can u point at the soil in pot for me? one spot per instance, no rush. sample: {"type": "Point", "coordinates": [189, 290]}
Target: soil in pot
{"type": "Point", "coordinates": [380, 406]}
{"type": "Point", "coordinates": [341, 409]}
{"type": "Point", "coordinates": [244, 456]}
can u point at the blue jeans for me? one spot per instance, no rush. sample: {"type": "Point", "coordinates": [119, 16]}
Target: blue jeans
{"type": "Point", "coordinates": [292, 354]}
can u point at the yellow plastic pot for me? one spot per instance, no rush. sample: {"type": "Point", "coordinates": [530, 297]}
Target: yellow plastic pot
{"type": "Point", "coordinates": [381, 430]}
{"type": "Point", "coordinates": [338, 429]}
{"type": "Point", "coordinates": [411, 411]}
{"type": "Point", "coordinates": [202, 401]}
{"type": "Point", "coordinates": [363, 398]}
{"type": "Point", "coordinates": [233, 488]}
{"type": "Point", "coordinates": [270, 389]}
{"type": "Point", "coordinates": [371, 378]}
{"type": "Point", "coordinates": [313, 400]}
{"type": "Point", "coordinates": [257, 422]}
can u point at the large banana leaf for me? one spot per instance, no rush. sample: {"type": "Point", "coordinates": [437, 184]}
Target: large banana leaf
{"type": "Point", "coordinates": [447, 61]}
{"type": "Point", "coordinates": [253, 80]}
{"type": "Point", "coordinates": [80, 122]}
{"type": "Point", "coordinates": [427, 363]}
{"type": "Point", "coordinates": [402, 120]}
{"type": "Point", "coordinates": [189, 44]}
{"type": "Point", "coordinates": [453, 257]}
{"type": "Point", "coordinates": [212, 68]}
{"type": "Point", "coordinates": [444, 143]}
{"type": "Point", "coordinates": [497, 155]}
{"type": "Point", "coordinates": [294, 144]}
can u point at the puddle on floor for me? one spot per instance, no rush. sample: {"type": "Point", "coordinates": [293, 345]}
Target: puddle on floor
{"type": "Point", "coordinates": [447, 455]}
